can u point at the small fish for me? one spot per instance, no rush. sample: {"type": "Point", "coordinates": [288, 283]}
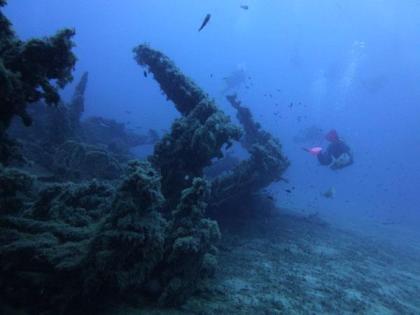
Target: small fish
{"type": "Point", "coordinates": [145, 73]}
{"type": "Point", "coordinates": [270, 197]}
{"type": "Point", "coordinates": [206, 20]}
{"type": "Point", "coordinates": [244, 6]}
{"type": "Point", "coordinates": [330, 193]}
{"type": "Point", "coordinates": [288, 191]}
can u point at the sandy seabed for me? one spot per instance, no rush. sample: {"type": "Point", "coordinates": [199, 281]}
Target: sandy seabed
{"type": "Point", "coordinates": [293, 264]}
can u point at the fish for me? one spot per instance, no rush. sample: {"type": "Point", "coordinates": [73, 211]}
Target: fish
{"type": "Point", "coordinates": [330, 193]}
{"type": "Point", "coordinates": [244, 6]}
{"type": "Point", "coordinates": [145, 73]}
{"type": "Point", "coordinates": [206, 20]}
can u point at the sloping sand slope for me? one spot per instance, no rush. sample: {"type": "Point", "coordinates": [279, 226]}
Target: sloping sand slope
{"type": "Point", "coordinates": [300, 265]}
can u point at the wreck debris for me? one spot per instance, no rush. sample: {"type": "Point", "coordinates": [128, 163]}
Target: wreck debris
{"type": "Point", "coordinates": [191, 245]}
{"type": "Point", "coordinates": [27, 69]}
{"type": "Point", "coordinates": [42, 250]}
{"type": "Point", "coordinates": [74, 160]}
{"type": "Point", "coordinates": [130, 244]}
{"type": "Point", "coordinates": [179, 89]}
{"type": "Point", "coordinates": [265, 165]}
{"type": "Point", "coordinates": [15, 189]}
{"type": "Point", "coordinates": [30, 71]}
{"type": "Point", "coordinates": [114, 136]}
{"type": "Point", "coordinates": [47, 141]}
{"type": "Point", "coordinates": [197, 137]}
{"type": "Point", "coordinates": [142, 235]}
{"type": "Point", "coordinates": [77, 104]}
{"type": "Point", "coordinates": [10, 150]}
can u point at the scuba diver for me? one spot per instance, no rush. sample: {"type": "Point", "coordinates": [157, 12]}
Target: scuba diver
{"type": "Point", "coordinates": [337, 155]}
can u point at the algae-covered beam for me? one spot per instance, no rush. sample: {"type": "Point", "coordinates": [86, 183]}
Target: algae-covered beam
{"type": "Point", "coordinates": [196, 138]}
{"type": "Point", "coordinates": [265, 165]}
{"type": "Point", "coordinates": [77, 104]}
{"type": "Point", "coordinates": [253, 132]}
{"type": "Point", "coordinates": [178, 88]}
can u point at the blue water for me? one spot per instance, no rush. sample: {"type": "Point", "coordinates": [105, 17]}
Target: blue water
{"type": "Point", "coordinates": [351, 65]}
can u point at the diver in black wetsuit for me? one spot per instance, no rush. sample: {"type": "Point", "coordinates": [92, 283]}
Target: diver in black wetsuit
{"type": "Point", "coordinates": [337, 155]}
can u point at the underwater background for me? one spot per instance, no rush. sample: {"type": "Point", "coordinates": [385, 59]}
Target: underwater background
{"type": "Point", "coordinates": [295, 237]}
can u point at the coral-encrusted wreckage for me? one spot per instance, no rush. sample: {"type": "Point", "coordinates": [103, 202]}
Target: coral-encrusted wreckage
{"type": "Point", "coordinates": [82, 221]}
